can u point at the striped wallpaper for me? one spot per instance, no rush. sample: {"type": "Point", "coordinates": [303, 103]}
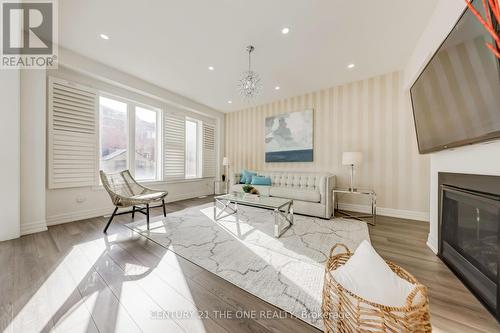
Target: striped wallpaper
{"type": "Point", "coordinates": [373, 116]}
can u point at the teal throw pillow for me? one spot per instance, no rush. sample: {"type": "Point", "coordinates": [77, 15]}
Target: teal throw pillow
{"type": "Point", "coordinates": [261, 180]}
{"type": "Point", "coordinates": [246, 176]}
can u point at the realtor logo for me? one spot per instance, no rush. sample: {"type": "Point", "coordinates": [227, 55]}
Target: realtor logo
{"type": "Point", "coordinates": [29, 34]}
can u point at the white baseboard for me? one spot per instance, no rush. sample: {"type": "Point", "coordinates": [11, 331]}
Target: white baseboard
{"type": "Point", "coordinates": [78, 215]}
{"type": "Point", "coordinates": [105, 211]}
{"type": "Point", "coordinates": [399, 213]}
{"type": "Point", "coordinates": [32, 227]}
{"type": "Point", "coordinates": [430, 243]}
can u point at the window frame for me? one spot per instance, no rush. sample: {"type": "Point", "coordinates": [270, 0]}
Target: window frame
{"type": "Point", "coordinates": [131, 127]}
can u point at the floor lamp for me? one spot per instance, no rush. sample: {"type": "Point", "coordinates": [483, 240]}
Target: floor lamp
{"type": "Point", "coordinates": [352, 158]}
{"type": "Point", "coordinates": [225, 163]}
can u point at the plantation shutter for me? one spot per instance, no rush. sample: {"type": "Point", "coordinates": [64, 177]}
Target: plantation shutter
{"type": "Point", "coordinates": [72, 134]}
{"type": "Point", "coordinates": [174, 146]}
{"type": "Point", "coordinates": [208, 153]}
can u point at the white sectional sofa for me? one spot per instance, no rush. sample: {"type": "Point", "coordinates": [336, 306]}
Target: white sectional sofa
{"type": "Point", "coordinates": [311, 192]}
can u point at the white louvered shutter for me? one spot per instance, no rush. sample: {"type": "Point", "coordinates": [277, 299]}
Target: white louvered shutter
{"type": "Point", "coordinates": [72, 134]}
{"type": "Point", "coordinates": [208, 153]}
{"type": "Point", "coordinates": [174, 144]}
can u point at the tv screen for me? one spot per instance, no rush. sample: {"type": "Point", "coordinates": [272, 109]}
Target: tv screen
{"type": "Point", "coordinates": [456, 99]}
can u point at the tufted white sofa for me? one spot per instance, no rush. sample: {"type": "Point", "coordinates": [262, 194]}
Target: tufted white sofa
{"type": "Point", "coordinates": [311, 192]}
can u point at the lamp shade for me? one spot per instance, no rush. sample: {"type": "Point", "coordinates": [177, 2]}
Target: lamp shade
{"type": "Point", "coordinates": [352, 158]}
{"type": "Point", "coordinates": [225, 161]}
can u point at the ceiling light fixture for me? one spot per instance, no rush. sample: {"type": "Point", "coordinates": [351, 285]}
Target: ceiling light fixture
{"type": "Point", "coordinates": [284, 31]}
{"type": "Point", "coordinates": [250, 84]}
{"type": "Point", "coordinates": [229, 102]}
{"type": "Point", "coordinates": [351, 66]}
{"type": "Point", "coordinates": [103, 36]}
{"type": "Point", "coordinates": [277, 88]}
{"type": "Point", "coordinates": [211, 68]}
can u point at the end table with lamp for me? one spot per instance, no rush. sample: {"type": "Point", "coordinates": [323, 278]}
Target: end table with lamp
{"type": "Point", "coordinates": [225, 164]}
{"type": "Point", "coordinates": [372, 196]}
{"type": "Point", "coordinates": [354, 159]}
{"type": "Point", "coordinates": [221, 187]}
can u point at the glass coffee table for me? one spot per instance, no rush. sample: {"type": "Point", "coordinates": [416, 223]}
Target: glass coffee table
{"type": "Point", "coordinates": [283, 208]}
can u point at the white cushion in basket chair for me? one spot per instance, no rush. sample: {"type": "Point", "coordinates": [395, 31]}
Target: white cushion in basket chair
{"type": "Point", "coordinates": [367, 275]}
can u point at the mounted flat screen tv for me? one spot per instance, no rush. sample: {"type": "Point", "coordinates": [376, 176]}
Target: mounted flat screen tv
{"type": "Point", "coordinates": [456, 98]}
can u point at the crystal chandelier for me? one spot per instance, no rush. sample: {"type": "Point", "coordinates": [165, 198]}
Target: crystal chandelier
{"type": "Point", "coordinates": [249, 85]}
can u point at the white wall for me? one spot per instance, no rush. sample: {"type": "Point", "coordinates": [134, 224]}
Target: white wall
{"type": "Point", "coordinates": [10, 147]}
{"type": "Point", "coordinates": [476, 159]}
{"type": "Point", "coordinates": [33, 161]}
{"type": "Point", "coordinates": [65, 205]}
{"type": "Point", "coordinates": [443, 19]}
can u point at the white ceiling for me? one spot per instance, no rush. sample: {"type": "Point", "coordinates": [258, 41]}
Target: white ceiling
{"type": "Point", "coordinates": [171, 43]}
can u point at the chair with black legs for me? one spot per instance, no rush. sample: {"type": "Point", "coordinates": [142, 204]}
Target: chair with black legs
{"type": "Point", "coordinates": [125, 191]}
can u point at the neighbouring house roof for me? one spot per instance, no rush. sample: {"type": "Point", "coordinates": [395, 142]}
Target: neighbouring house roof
{"type": "Point", "coordinates": [114, 154]}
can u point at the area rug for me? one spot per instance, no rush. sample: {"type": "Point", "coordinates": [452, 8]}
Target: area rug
{"type": "Point", "coordinates": [286, 272]}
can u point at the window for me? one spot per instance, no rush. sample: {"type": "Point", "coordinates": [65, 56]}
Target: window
{"type": "Point", "coordinates": [128, 137]}
{"type": "Point", "coordinates": [114, 135]}
{"type": "Point", "coordinates": [119, 134]}
{"type": "Point", "coordinates": [193, 165]}
{"type": "Point", "coordinates": [145, 143]}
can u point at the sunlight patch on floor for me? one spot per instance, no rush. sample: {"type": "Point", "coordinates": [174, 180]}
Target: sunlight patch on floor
{"type": "Point", "coordinates": [231, 223]}
{"type": "Point", "coordinates": [165, 284]}
{"type": "Point", "coordinates": [177, 301]}
{"type": "Point", "coordinates": [78, 318]}
{"type": "Point", "coordinates": [157, 227]}
{"type": "Point", "coordinates": [239, 229]}
{"type": "Point", "coordinates": [44, 307]}
{"type": "Point", "coordinates": [134, 269]}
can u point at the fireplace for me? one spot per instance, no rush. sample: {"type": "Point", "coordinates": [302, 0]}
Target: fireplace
{"type": "Point", "coordinates": [469, 229]}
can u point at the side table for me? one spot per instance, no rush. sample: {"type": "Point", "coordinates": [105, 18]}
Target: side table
{"type": "Point", "coordinates": [367, 193]}
{"type": "Point", "coordinates": [221, 187]}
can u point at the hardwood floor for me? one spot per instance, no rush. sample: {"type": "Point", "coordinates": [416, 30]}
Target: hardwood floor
{"type": "Point", "coordinates": [74, 278]}
{"type": "Point", "coordinates": [453, 307]}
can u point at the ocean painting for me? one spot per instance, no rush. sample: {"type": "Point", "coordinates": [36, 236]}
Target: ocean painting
{"type": "Point", "coordinates": [289, 137]}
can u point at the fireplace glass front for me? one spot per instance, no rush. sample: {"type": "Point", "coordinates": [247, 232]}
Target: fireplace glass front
{"type": "Point", "coordinates": [470, 235]}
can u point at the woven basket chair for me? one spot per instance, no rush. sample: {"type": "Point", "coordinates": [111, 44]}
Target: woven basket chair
{"type": "Point", "coordinates": [126, 192]}
{"type": "Point", "coordinates": [345, 312]}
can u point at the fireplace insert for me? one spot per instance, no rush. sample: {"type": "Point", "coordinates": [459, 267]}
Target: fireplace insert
{"type": "Point", "coordinates": [469, 233]}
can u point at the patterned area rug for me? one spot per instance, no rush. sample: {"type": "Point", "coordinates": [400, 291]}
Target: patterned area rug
{"type": "Point", "coordinates": [286, 272]}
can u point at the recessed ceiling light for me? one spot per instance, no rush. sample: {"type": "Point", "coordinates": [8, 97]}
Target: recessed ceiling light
{"type": "Point", "coordinates": [277, 88]}
{"type": "Point", "coordinates": [211, 68]}
{"type": "Point", "coordinates": [103, 36]}
{"type": "Point", "coordinates": [229, 102]}
{"type": "Point", "coordinates": [351, 66]}
{"type": "Point", "coordinates": [284, 31]}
